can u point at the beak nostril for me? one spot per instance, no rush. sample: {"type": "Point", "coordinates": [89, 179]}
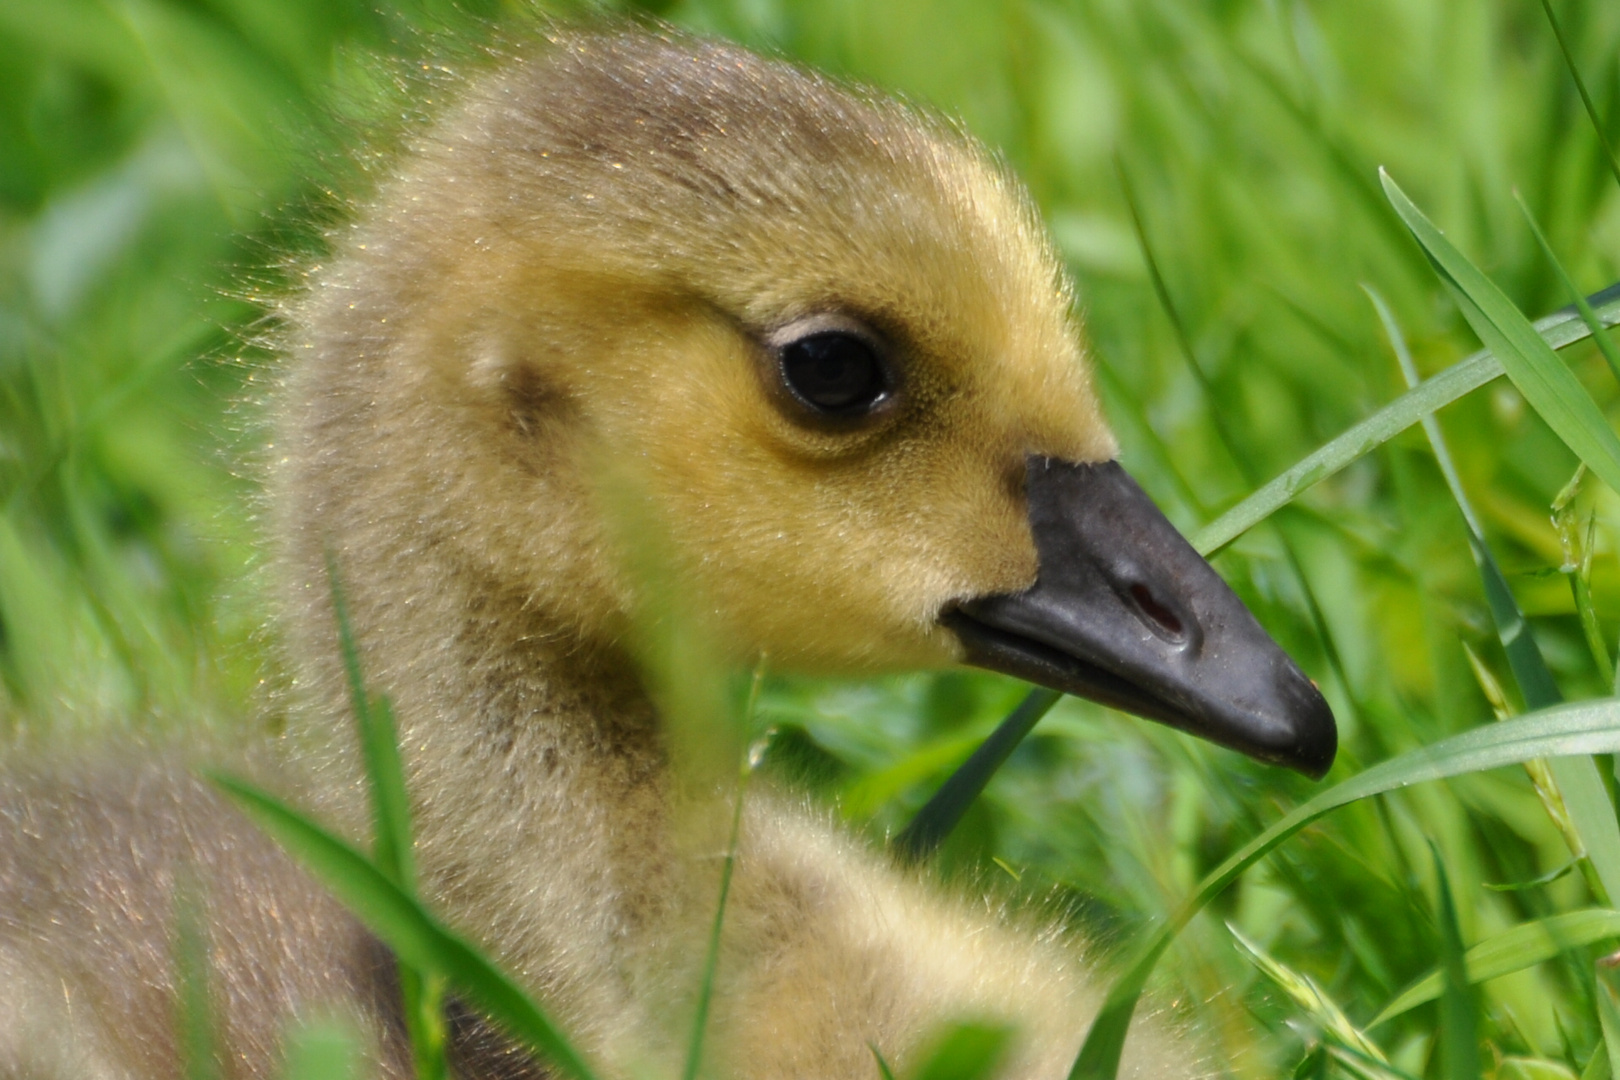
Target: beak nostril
{"type": "Point", "coordinates": [1162, 618]}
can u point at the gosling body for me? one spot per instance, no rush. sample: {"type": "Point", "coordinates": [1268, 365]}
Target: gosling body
{"type": "Point", "coordinates": [559, 343]}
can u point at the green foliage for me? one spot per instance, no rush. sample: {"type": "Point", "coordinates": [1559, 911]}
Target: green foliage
{"type": "Point", "coordinates": [1589, 728]}
{"type": "Point", "coordinates": [1514, 950]}
{"type": "Point", "coordinates": [1355, 442]}
{"type": "Point", "coordinates": [1341, 1039]}
{"type": "Point", "coordinates": [163, 162]}
{"type": "Point", "coordinates": [1535, 369]}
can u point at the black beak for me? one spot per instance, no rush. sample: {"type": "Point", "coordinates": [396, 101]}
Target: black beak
{"type": "Point", "coordinates": [1126, 613]}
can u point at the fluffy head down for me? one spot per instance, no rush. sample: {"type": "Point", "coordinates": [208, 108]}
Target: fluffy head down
{"type": "Point", "coordinates": [586, 266]}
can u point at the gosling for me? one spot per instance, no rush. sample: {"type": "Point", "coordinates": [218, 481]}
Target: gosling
{"type": "Point", "coordinates": [643, 297]}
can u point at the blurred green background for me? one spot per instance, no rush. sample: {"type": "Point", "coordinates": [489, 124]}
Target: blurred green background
{"type": "Point", "coordinates": [165, 165]}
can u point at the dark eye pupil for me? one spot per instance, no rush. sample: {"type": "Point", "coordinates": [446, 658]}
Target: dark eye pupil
{"type": "Point", "coordinates": [833, 371]}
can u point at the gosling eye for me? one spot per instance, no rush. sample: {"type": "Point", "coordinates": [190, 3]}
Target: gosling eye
{"type": "Point", "coordinates": [834, 372]}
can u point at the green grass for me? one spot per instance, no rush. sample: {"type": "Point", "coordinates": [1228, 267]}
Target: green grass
{"type": "Point", "coordinates": [160, 158]}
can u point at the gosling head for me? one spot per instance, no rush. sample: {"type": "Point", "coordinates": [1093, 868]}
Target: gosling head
{"type": "Point", "coordinates": [830, 340]}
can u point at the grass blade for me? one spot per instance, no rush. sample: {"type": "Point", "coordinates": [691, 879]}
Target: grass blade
{"type": "Point", "coordinates": [379, 744]}
{"type": "Point", "coordinates": [1314, 1066]}
{"type": "Point", "coordinates": [941, 813]}
{"type": "Point", "coordinates": [1542, 779]}
{"type": "Point", "coordinates": [1580, 85]}
{"type": "Point", "coordinates": [1598, 1066]}
{"type": "Point", "coordinates": [1544, 380]}
{"type": "Point", "coordinates": [1513, 950]}
{"type": "Point", "coordinates": [197, 1021]}
{"type": "Point", "coordinates": [866, 795]}
{"type": "Point", "coordinates": [1600, 334]}
{"type": "Point", "coordinates": [423, 995]}
{"type": "Point", "coordinates": [1579, 782]}
{"type": "Point", "coordinates": [1559, 330]}
{"type": "Point", "coordinates": [884, 1072]}
{"type": "Point", "coordinates": [1591, 727]}
{"type": "Point", "coordinates": [1537, 882]}
{"type": "Point", "coordinates": [711, 960]}
{"type": "Point", "coordinates": [1361, 1067]}
{"type": "Point", "coordinates": [1609, 1018]}
{"type": "Point", "coordinates": [966, 1052]}
{"type": "Point", "coordinates": [402, 924]}
{"type": "Point", "coordinates": [1459, 1015]}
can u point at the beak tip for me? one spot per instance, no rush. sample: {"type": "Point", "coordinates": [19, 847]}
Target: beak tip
{"type": "Point", "coordinates": [1315, 741]}
{"type": "Point", "coordinates": [1286, 721]}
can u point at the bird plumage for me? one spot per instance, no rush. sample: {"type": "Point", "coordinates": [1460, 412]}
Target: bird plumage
{"type": "Point", "coordinates": [545, 353]}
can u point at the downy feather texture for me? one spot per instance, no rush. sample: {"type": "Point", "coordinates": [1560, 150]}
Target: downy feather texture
{"type": "Point", "coordinates": [542, 351]}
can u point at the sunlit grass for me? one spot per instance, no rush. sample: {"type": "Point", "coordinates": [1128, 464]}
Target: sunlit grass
{"type": "Point", "coordinates": [158, 159]}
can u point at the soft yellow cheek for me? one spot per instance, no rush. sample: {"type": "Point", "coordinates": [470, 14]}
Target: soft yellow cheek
{"type": "Point", "coordinates": [831, 563]}
{"type": "Point", "coordinates": [792, 571]}
{"type": "Point", "coordinates": [847, 572]}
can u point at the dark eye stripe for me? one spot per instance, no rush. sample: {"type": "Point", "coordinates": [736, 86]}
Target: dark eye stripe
{"type": "Point", "coordinates": [834, 372]}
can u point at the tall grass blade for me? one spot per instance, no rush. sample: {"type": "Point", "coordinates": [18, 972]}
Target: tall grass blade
{"type": "Point", "coordinates": [1584, 728]}
{"type": "Point", "coordinates": [423, 995]}
{"type": "Point", "coordinates": [711, 960]}
{"type": "Point", "coordinates": [1540, 772]}
{"type": "Point", "coordinates": [404, 926]}
{"type": "Point", "coordinates": [1459, 1014]}
{"type": "Point", "coordinates": [1513, 950]}
{"type": "Point", "coordinates": [1600, 334]}
{"type": "Point", "coordinates": [1598, 1067]}
{"type": "Point", "coordinates": [1609, 1019]}
{"type": "Point", "coordinates": [1314, 1066]}
{"type": "Point", "coordinates": [1539, 881]}
{"type": "Point", "coordinates": [200, 1054]}
{"type": "Point", "coordinates": [1580, 86]}
{"type": "Point", "coordinates": [1560, 330]}
{"type": "Point", "coordinates": [884, 1072]}
{"type": "Point", "coordinates": [934, 822]}
{"type": "Point", "coordinates": [379, 746]}
{"type": "Point", "coordinates": [1544, 380]}
{"type": "Point", "coordinates": [1579, 782]}
{"type": "Point", "coordinates": [1162, 291]}
{"type": "Point", "coordinates": [1358, 1065]}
